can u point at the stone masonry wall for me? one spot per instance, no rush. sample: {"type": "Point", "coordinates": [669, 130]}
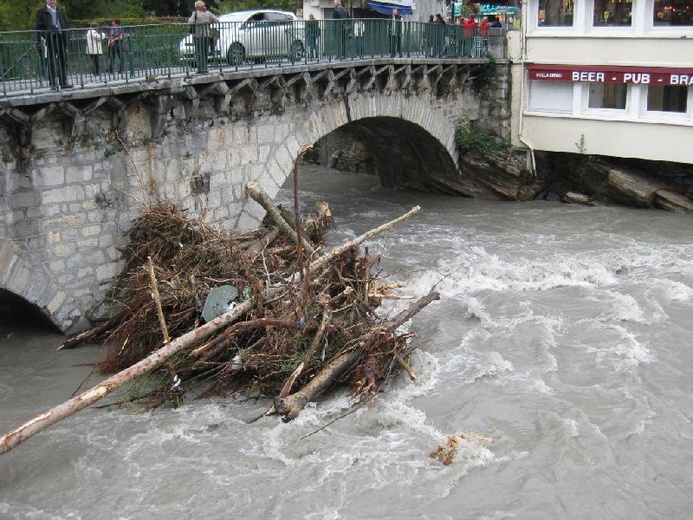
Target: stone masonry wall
{"type": "Point", "coordinates": [65, 211]}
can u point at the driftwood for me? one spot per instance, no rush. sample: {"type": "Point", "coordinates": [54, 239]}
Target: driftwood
{"type": "Point", "coordinates": [290, 404]}
{"type": "Point", "coordinates": [157, 300]}
{"type": "Point", "coordinates": [92, 334]}
{"type": "Point", "coordinates": [325, 259]}
{"type": "Point", "coordinates": [254, 192]}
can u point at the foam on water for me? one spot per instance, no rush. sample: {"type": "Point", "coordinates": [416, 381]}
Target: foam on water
{"type": "Point", "coordinates": [628, 352]}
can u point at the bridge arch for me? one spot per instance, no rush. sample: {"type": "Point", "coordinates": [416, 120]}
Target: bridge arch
{"type": "Point", "coordinates": [412, 140]}
{"type": "Point", "coordinates": [18, 279]}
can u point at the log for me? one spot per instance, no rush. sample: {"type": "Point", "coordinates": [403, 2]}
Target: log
{"type": "Point", "coordinates": [157, 300]}
{"type": "Point", "coordinates": [85, 399]}
{"type": "Point", "coordinates": [92, 334]}
{"type": "Point", "coordinates": [258, 245]}
{"type": "Point", "coordinates": [333, 253]}
{"type": "Point", "coordinates": [254, 192]}
{"type": "Point", "coordinates": [291, 405]}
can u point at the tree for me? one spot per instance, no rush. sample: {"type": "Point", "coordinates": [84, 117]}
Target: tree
{"type": "Point", "coordinates": [174, 7]}
{"type": "Point", "coordinates": [17, 16]}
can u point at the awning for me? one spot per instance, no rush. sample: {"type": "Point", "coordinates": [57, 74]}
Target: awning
{"type": "Point", "coordinates": [387, 8]}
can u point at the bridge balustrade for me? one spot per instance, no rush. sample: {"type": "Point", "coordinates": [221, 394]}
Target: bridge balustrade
{"type": "Point", "coordinates": [151, 52]}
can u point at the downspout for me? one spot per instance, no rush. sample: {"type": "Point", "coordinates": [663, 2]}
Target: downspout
{"type": "Point", "coordinates": [523, 57]}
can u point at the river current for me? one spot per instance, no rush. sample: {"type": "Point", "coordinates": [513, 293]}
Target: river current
{"type": "Point", "coordinates": [560, 353]}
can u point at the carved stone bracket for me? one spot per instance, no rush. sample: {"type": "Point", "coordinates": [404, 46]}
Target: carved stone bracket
{"type": "Point", "coordinates": [237, 95]}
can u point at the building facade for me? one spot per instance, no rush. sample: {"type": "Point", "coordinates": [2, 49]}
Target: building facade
{"type": "Point", "coordinates": [602, 77]}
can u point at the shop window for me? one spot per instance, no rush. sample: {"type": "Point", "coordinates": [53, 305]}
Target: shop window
{"type": "Point", "coordinates": [556, 13]}
{"type": "Point", "coordinates": [551, 97]}
{"type": "Point", "coordinates": [672, 12]}
{"type": "Point", "coordinates": [612, 13]}
{"type": "Point", "coordinates": [607, 95]}
{"type": "Point", "coordinates": [667, 98]}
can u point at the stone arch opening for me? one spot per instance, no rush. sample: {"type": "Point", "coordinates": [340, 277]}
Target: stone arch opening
{"type": "Point", "coordinates": [401, 153]}
{"type": "Point", "coordinates": [18, 313]}
{"type": "Point", "coordinates": [35, 293]}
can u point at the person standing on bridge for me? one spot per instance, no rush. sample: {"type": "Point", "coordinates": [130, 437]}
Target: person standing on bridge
{"type": "Point", "coordinates": [341, 29]}
{"type": "Point", "coordinates": [359, 31]}
{"type": "Point", "coordinates": [199, 22]}
{"type": "Point", "coordinates": [95, 47]}
{"type": "Point", "coordinates": [484, 26]}
{"type": "Point", "coordinates": [116, 34]}
{"type": "Point", "coordinates": [52, 26]}
{"type": "Point", "coordinates": [312, 37]}
{"type": "Point", "coordinates": [469, 32]}
{"type": "Point", "coordinates": [395, 32]}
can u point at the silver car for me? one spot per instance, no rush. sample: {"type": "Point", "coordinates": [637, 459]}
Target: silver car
{"type": "Point", "coordinates": [259, 33]}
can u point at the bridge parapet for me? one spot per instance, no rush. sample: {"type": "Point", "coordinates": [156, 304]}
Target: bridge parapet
{"type": "Point", "coordinates": [161, 51]}
{"type": "Point", "coordinates": [78, 167]}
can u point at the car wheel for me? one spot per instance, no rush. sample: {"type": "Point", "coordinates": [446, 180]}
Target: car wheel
{"type": "Point", "coordinates": [236, 55]}
{"type": "Point", "coordinates": [297, 51]}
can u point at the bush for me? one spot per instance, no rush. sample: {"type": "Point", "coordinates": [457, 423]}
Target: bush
{"type": "Point", "coordinates": [470, 139]}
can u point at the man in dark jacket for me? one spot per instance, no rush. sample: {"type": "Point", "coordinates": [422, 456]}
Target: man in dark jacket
{"type": "Point", "coordinates": [51, 25]}
{"type": "Point", "coordinates": [341, 28]}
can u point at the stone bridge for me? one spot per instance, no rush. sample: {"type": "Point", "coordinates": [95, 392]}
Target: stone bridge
{"type": "Point", "coordinates": [77, 166]}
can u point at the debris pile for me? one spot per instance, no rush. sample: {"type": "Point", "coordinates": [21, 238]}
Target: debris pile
{"type": "Point", "coordinates": [282, 317]}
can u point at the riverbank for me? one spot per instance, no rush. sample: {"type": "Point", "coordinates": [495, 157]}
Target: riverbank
{"type": "Point", "coordinates": [518, 175]}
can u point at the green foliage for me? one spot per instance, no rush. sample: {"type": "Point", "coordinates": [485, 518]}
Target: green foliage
{"type": "Point", "coordinates": [19, 16]}
{"type": "Point", "coordinates": [484, 74]}
{"type": "Point", "coordinates": [470, 139]}
{"type": "Point", "coordinates": [581, 171]}
{"type": "Point", "coordinates": [178, 8]}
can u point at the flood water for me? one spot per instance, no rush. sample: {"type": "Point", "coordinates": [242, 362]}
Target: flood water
{"type": "Point", "coordinates": [560, 349]}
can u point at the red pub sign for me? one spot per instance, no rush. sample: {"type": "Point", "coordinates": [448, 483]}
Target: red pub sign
{"type": "Point", "coordinates": [602, 74]}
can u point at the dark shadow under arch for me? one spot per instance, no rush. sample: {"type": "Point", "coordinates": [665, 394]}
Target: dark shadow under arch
{"type": "Point", "coordinates": [406, 155]}
{"type": "Point", "coordinates": [17, 313]}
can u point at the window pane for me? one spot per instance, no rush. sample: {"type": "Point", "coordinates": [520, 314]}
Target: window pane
{"type": "Point", "coordinates": [673, 12]}
{"type": "Point", "coordinates": [555, 13]}
{"type": "Point", "coordinates": [607, 95]}
{"type": "Point", "coordinates": [671, 98]}
{"type": "Point", "coordinates": [551, 96]}
{"type": "Point", "coordinates": [612, 13]}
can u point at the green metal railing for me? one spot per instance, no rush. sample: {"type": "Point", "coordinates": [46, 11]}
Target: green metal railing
{"type": "Point", "coordinates": [150, 52]}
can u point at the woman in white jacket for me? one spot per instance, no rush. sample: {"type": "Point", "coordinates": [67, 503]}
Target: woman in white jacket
{"type": "Point", "coordinates": [95, 47]}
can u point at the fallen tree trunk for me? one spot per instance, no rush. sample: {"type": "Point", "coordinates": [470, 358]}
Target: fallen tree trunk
{"type": "Point", "coordinates": [85, 399]}
{"type": "Point", "coordinates": [291, 405]}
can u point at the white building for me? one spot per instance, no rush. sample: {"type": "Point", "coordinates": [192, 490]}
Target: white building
{"type": "Point", "coordinates": [603, 77]}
